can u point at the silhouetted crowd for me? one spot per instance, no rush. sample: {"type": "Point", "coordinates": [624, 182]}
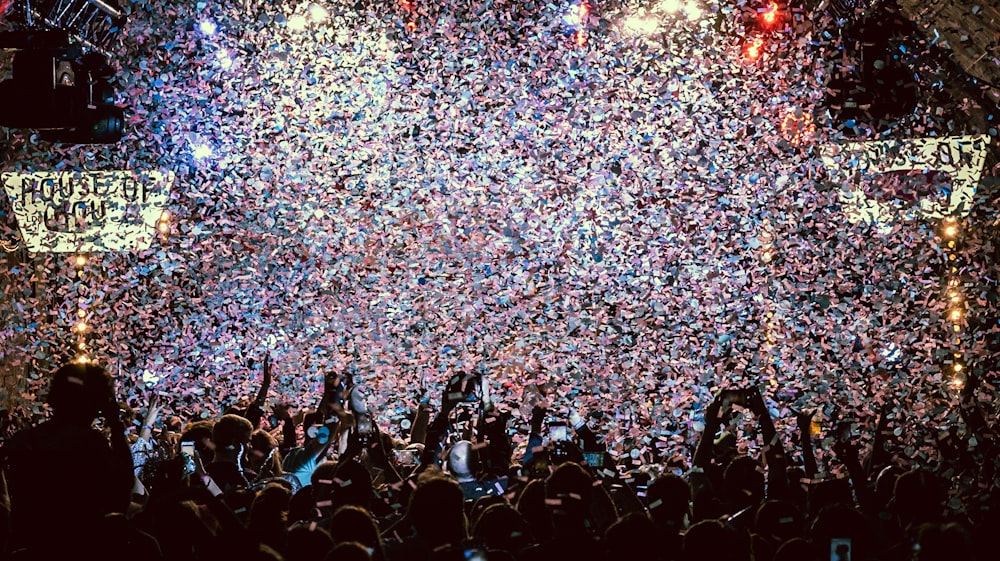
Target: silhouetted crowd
{"type": "Point", "coordinates": [270, 483]}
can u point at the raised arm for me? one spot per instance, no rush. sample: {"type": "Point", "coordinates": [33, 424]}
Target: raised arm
{"type": "Point", "coordinates": [255, 412]}
{"type": "Point", "coordinates": [803, 422]}
{"type": "Point", "coordinates": [774, 449]}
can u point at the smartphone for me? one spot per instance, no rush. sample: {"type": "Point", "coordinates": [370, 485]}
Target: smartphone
{"type": "Point", "coordinates": [406, 458]}
{"type": "Point", "coordinates": [734, 397]}
{"type": "Point", "coordinates": [840, 549]}
{"type": "Point", "coordinates": [594, 459]}
{"type": "Point", "coordinates": [187, 454]}
{"type": "Point", "coordinates": [815, 426]}
{"type": "Point", "coordinates": [474, 554]}
{"type": "Point", "coordinates": [558, 431]}
{"type": "Point", "coordinates": [364, 425]}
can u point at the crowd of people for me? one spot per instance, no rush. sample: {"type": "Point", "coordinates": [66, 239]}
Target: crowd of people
{"type": "Point", "coordinates": [272, 483]}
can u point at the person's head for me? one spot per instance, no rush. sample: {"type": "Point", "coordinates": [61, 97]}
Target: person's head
{"type": "Point", "coordinates": [349, 551]}
{"type": "Point", "coordinates": [711, 539]}
{"type": "Point", "coordinates": [463, 461]}
{"type": "Point", "coordinates": [79, 392]}
{"type": "Point", "coordinates": [845, 524]}
{"type": "Point", "coordinates": [885, 484]}
{"type": "Point", "coordinates": [263, 455]}
{"type": "Point", "coordinates": [778, 521]}
{"type": "Point", "coordinates": [668, 499]}
{"type": "Point", "coordinates": [918, 497]}
{"type": "Point", "coordinates": [798, 549]}
{"type": "Point", "coordinates": [302, 506]}
{"type": "Point", "coordinates": [200, 432]}
{"type": "Point", "coordinates": [354, 524]}
{"type": "Point", "coordinates": [568, 494]}
{"type": "Point", "coordinates": [531, 505]}
{"type": "Point", "coordinates": [307, 542]}
{"type": "Point", "coordinates": [268, 514]}
{"type": "Point", "coordinates": [437, 509]}
{"type": "Point", "coordinates": [633, 536]}
{"type": "Point", "coordinates": [500, 526]}
{"type": "Point", "coordinates": [744, 482]}
{"type": "Point", "coordinates": [230, 433]}
{"type": "Point", "coordinates": [352, 484]}
{"type": "Point", "coordinates": [943, 542]}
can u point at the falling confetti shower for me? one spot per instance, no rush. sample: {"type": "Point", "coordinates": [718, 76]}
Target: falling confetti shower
{"type": "Point", "coordinates": [625, 218]}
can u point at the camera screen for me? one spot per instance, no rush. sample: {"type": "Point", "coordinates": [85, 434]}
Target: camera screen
{"type": "Point", "coordinates": [594, 459]}
{"type": "Point", "coordinates": [558, 432]}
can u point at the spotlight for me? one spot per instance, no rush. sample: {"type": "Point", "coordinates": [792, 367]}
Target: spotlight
{"type": "Point", "coordinates": [297, 22]}
{"type": "Point", "coordinates": [770, 15]}
{"type": "Point", "coordinates": [208, 27]}
{"type": "Point", "coordinates": [670, 6]}
{"type": "Point", "coordinates": [202, 151]}
{"type": "Point", "coordinates": [60, 70]}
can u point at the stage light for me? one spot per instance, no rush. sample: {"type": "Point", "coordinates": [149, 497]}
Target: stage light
{"type": "Point", "coordinates": [950, 231]}
{"type": "Point", "coordinates": [202, 151]}
{"type": "Point", "coordinates": [80, 260]}
{"type": "Point", "coordinates": [693, 10]}
{"type": "Point", "coordinates": [224, 59]}
{"type": "Point", "coordinates": [318, 13]}
{"type": "Point", "coordinates": [208, 27]}
{"type": "Point", "coordinates": [770, 15]}
{"type": "Point", "coordinates": [59, 90]}
{"type": "Point", "coordinates": [955, 315]}
{"type": "Point", "coordinates": [297, 22]}
{"type": "Point", "coordinates": [669, 6]}
{"type": "Point", "coordinates": [81, 313]}
{"type": "Point", "coordinates": [641, 25]}
{"type": "Point", "coordinates": [753, 51]}
{"type": "Point", "coordinates": [80, 327]}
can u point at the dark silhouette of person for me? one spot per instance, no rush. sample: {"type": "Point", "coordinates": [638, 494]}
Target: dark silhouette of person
{"type": "Point", "coordinates": [64, 476]}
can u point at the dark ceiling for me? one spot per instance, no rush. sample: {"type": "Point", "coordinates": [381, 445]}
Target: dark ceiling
{"type": "Point", "coordinates": [970, 29]}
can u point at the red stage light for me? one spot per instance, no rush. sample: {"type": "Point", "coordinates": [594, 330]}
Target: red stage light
{"type": "Point", "coordinates": [770, 15]}
{"type": "Point", "coordinates": [754, 48]}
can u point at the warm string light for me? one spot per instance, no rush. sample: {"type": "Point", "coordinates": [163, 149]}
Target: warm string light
{"type": "Point", "coordinates": [582, 11]}
{"type": "Point", "coordinates": [163, 224]}
{"type": "Point", "coordinates": [80, 327]}
{"type": "Point", "coordinates": [950, 230]}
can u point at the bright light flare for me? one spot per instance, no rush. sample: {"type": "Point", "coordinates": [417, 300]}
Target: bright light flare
{"type": "Point", "coordinates": [297, 22]}
{"type": "Point", "coordinates": [225, 61]}
{"type": "Point", "coordinates": [81, 260]}
{"type": "Point", "coordinates": [669, 6]}
{"type": "Point", "coordinates": [641, 25]}
{"type": "Point", "coordinates": [770, 15]}
{"type": "Point", "coordinates": [202, 151]}
{"type": "Point", "coordinates": [754, 48]}
{"type": "Point", "coordinates": [693, 11]}
{"type": "Point", "coordinates": [208, 27]}
{"type": "Point", "coordinates": [578, 14]}
{"type": "Point", "coordinates": [318, 13]}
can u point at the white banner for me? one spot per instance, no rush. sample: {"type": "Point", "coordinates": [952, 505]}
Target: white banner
{"type": "Point", "coordinates": [962, 157]}
{"type": "Point", "coordinates": [89, 211]}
